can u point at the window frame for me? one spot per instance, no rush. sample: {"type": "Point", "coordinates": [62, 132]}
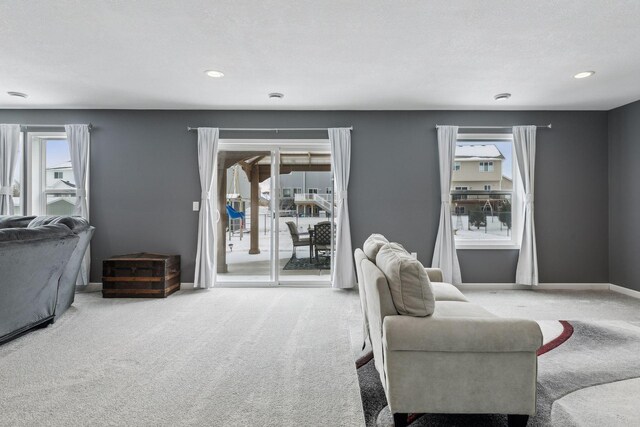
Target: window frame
{"type": "Point", "coordinates": [35, 179]}
{"type": "Point", "coordinates": [516, 199]}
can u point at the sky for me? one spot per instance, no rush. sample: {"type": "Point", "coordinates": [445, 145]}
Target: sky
{"type": "Point", "coordinates": [57, 152]}
{"type": "Point", "coordinates": [505, 148]}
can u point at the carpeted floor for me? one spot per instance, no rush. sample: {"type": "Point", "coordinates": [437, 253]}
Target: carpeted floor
{"type": "Point", "coordinates": [588, 380]}
{"type": "Point", "coordinates": [223, 357]}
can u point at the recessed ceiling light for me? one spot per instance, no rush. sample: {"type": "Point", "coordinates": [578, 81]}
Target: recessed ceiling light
{"type": "Point", "coordinates": [17, 94]}
{"type": "Point", "coordinates": [584, 74]}
{"type": "Point", "coordinates": [214, 73]}
{"type": "Point", "coordinates": [276, 95]}
{"type": "Point", "coordinates": [502, 96]}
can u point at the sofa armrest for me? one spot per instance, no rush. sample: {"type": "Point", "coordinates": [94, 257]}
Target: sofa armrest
{"type": "Point", "coordinates": [435, 274]}
{"type": "Point", "coordinates": [461, 334]}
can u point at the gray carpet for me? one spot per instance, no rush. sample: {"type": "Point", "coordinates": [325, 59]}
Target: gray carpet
{"type": "Point", "coordinates": [576, 380]}
{"type": "Point", "coordinates": [223, 357]}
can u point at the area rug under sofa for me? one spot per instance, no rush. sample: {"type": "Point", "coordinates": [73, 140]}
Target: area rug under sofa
{"type": "Point", "coordinates": [588, 374]}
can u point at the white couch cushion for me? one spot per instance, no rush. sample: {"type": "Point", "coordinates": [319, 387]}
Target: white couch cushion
{"type": "Point", "coordinates": [446, 292]}
{"type": "Point", "coordinates": [408, 281]}
{"type": "Point", "coordinates": [372, 245]}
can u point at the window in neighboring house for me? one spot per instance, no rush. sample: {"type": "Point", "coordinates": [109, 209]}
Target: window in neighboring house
{"type": "Point", "coordinates": [313, 191]}
{"type": "Point", "coordinates": [287, 192]}
{"type": "Point", "coordinates": [456, 166]}
{"type": "Point", "coordinates": [329, 190]}
{"type": "Point", "coordinates": [460, 196]}
{"type": "Point", "coordinates": [58, 175]}
{"type": "Point", "coordinates": [481, 218]}
{"type": "Point", "coordinates": [486, 166]}
{"type": "Point", "coordinates": [297, 190]}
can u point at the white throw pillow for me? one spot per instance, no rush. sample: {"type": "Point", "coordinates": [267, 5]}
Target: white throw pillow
{"type": "Point", "coordinates": [372, 245]}
{"type": "Point", "coordinates": [408, 281]}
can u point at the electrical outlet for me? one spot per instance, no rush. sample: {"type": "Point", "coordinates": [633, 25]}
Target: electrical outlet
{"type": "Point", "coordinates": [196, 206]}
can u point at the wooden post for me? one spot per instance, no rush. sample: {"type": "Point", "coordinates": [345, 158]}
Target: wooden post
{"type": "Point", "coordinates": [221, 244]}
{"type": "Point", "coordinates": [255, 209]}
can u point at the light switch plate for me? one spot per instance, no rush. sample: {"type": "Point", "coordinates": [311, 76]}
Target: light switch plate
{"type": "Point", "coordinates": [196, 206]}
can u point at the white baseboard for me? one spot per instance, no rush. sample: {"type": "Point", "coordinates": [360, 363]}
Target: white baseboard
{"type": "Point", "coordinates": [553, 286]}
{"type": "Point", "coordinates": [91, 287]}
{"type": "Point", "coordinates": [625, 291]}
{"type": "Point", "coordinates": [97, 287]}
{"type": "Point", "coordinates": [541, 286]}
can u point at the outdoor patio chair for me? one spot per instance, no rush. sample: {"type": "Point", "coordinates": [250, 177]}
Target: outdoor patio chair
{"type": "Point", "coordinates": [322, 238]}
{"type": "Point", "coordinates": [295, 237]}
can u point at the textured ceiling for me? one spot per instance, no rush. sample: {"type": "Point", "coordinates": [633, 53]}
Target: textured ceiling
{"type": "Point", "coordinates": [369, 55]}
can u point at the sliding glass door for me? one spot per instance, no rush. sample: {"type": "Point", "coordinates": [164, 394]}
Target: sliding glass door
{"type": "Point", "coordinates": [305, 213]}
{"type": "Point", "coordinates": [276, 213]}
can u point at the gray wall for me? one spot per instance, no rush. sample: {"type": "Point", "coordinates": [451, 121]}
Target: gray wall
{"type": "Point", "coordinates": [144, 178]}
{"type": "Point", "coordinates": [624, 196]}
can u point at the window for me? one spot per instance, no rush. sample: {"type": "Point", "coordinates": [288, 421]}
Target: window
{"type": "Point", "coordinates": [486, 166]}
{"type": "Point", "coordinates": [49, 182]}
{"type": "Point", "coordinates": [18, 179]}
{"type": "Point", "coordinates": [287, 192]}
{"type": "Point", "coordinates": [297, 190]}
{"type": "Point", "coordinates": [481, 210]}
{"type": "Point", "coordinates": [313, 191]}
{"type": "Point", "coordinates": [459, 196]}
{"type": "Point", "coordinates": [329, 190]}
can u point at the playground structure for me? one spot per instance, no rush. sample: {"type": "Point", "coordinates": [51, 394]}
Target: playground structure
{"type": "Point", "coordinates": [488, 211]}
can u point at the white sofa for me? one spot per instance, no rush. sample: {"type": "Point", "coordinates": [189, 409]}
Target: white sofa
{"type": "Point", "coordinates": [461, 359]}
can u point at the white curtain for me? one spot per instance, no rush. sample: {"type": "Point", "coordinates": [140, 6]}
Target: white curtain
{"type": "Point", "coordinates": [343, 271]}
{"type": "Point", "coordinates": [78, 138]}
{"type": "Point", "coordinates": [9, 144]}
{"type": "Point", "coordinates": [205, 274]}
{"type": "Point", "coordinates": [524, 140]}
{"type": "Point", "coordinates": [444, 253]}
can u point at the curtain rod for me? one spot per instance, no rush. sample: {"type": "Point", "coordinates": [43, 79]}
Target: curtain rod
{"type": "Point", "coordinates": [495, 127]}
{"type": "Point", "coordinates": [22, 127]}
{"type": "Point", "coordinates": [189, 128]}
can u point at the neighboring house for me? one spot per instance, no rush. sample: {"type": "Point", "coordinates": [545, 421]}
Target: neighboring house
{"type": "Point", "coordinates": [307, 193]}
{"type": "Point", "coordinates": [478, 170]}
{"type": "Point", "coordinates": [60, 190]}
{"type": "Point", "coordinates": [62, 171]}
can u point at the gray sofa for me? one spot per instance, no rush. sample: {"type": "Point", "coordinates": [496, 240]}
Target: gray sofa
{"type": "Point", "coordinates": [458, 359]}
{"type": "Point", "coordinates": [40, 259]}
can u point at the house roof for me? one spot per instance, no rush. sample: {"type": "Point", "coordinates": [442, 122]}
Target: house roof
{"type": "Point", "coordinates": [63, 165]}
{"type": "Point", "coordinates": [478, 152]}
{"type": "Point", "coordinates": [62, 184]}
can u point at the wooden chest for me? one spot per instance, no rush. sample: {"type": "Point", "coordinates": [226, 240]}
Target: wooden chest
{"type": "Point", "coordinates": [142, 275]}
